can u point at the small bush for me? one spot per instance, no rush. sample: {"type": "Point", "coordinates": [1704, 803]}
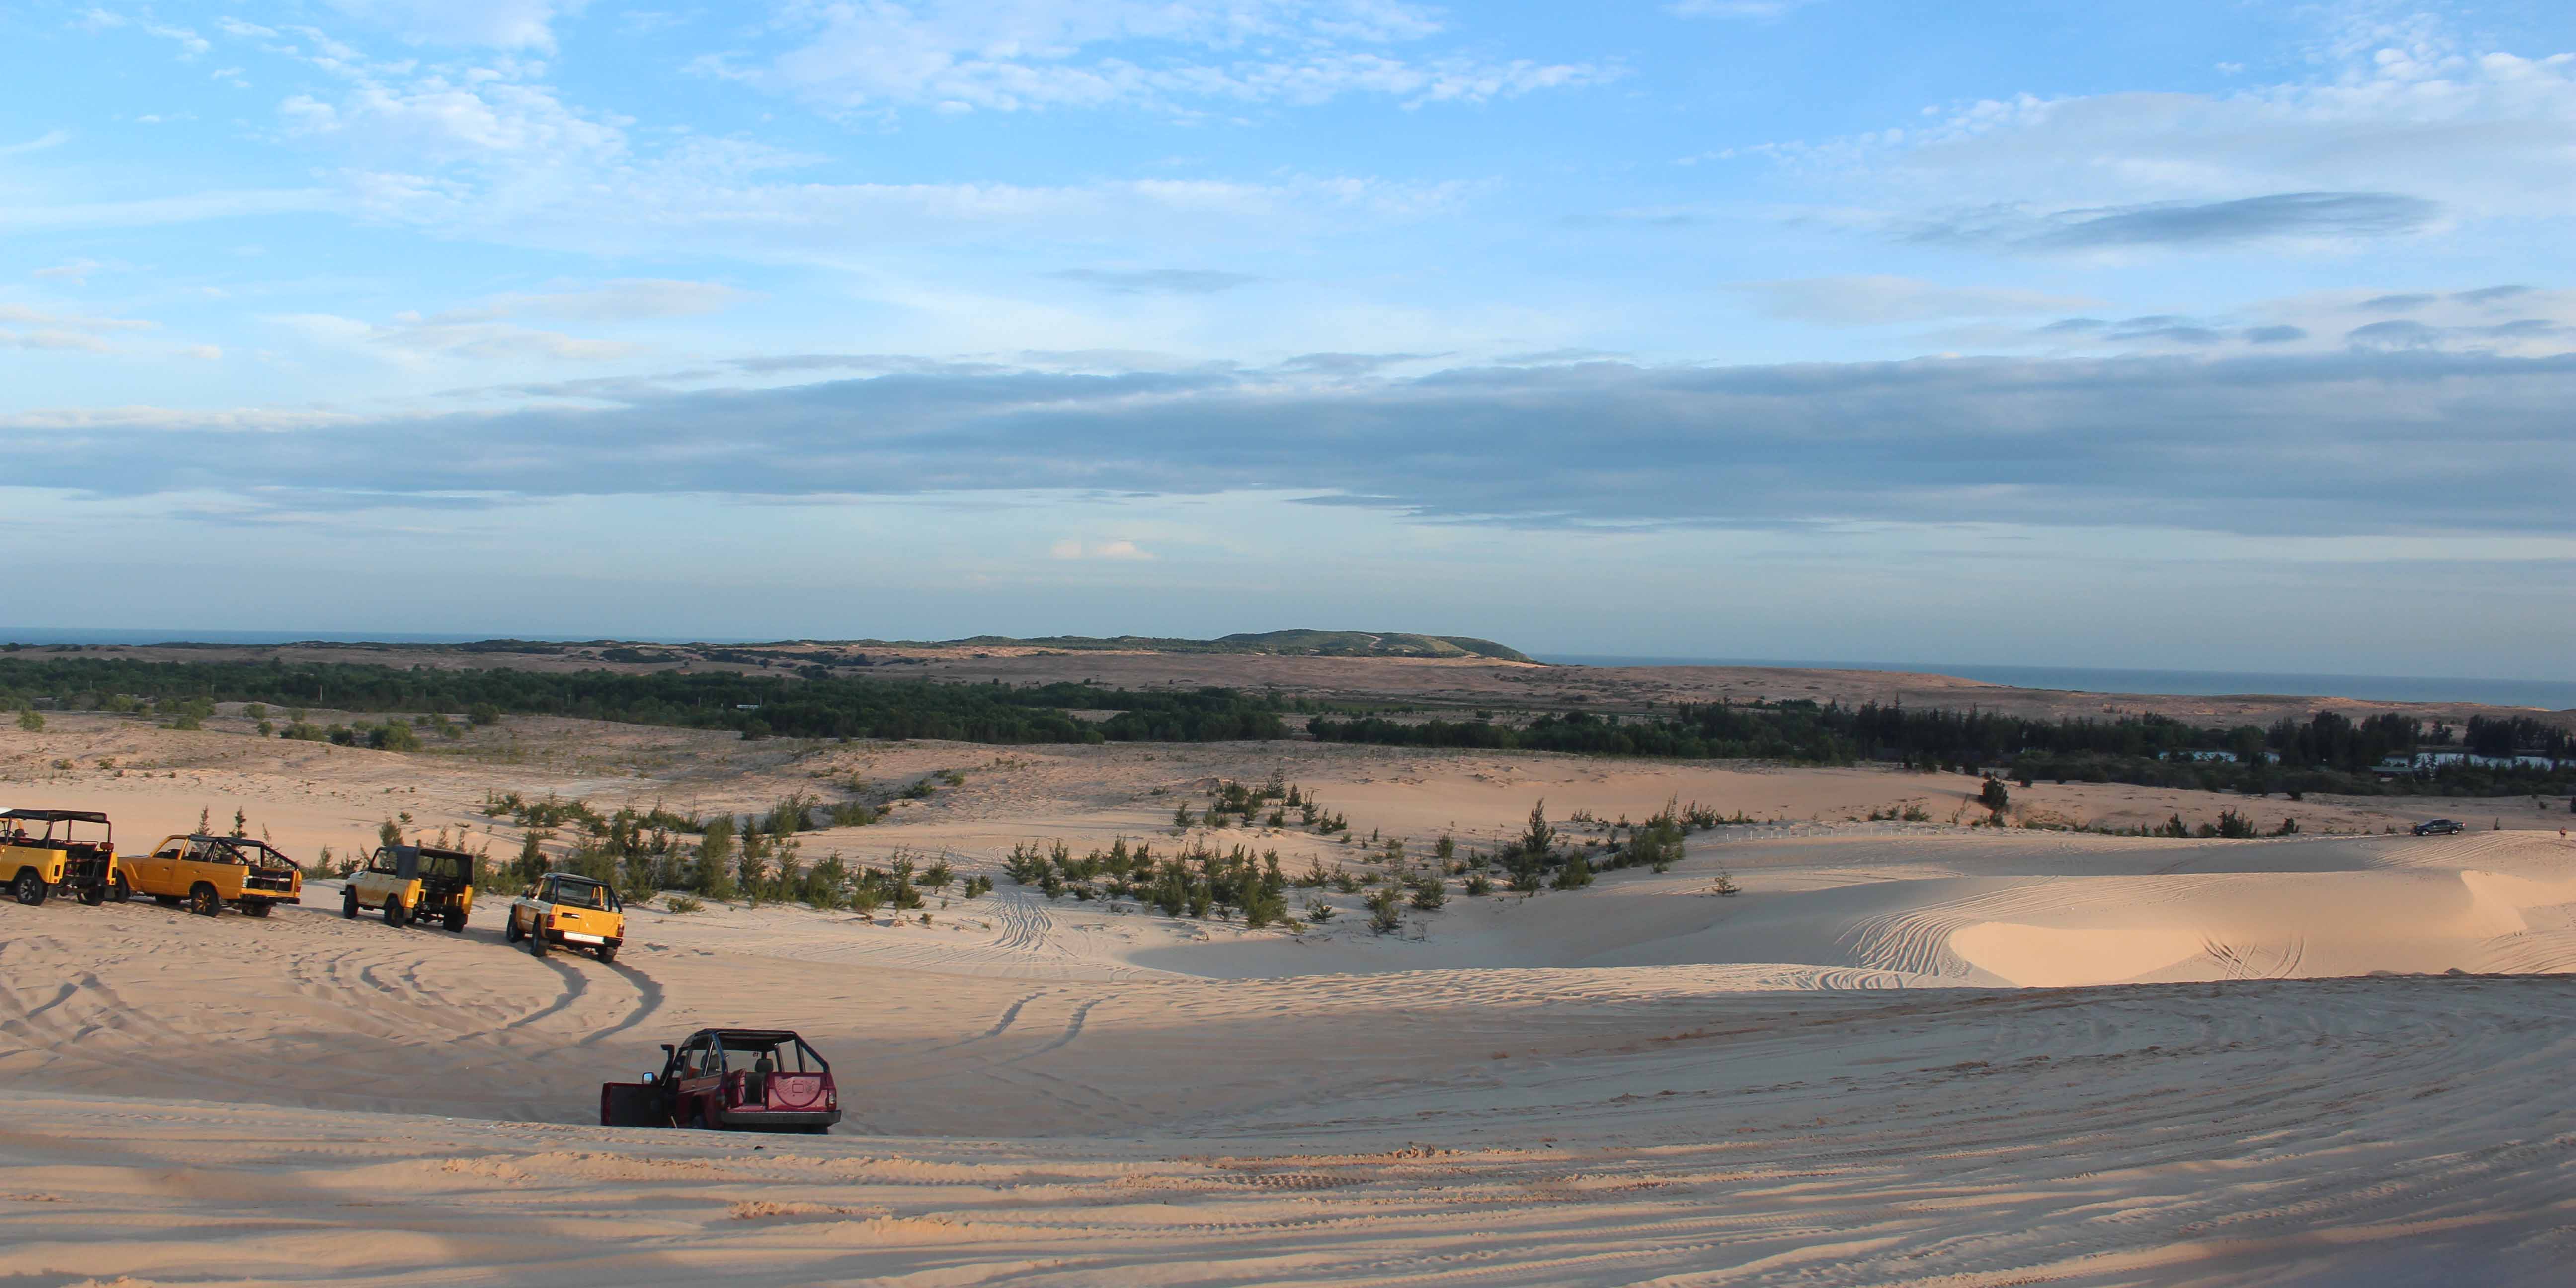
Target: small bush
{"type": "Point", "coordinates": [682, 903]}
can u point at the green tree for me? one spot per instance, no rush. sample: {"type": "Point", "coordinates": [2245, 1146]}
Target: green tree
{"type": "Point", "coordinates": [1540, 839]}
{"type": "Point", "coordinates": [30, 721]}
{"type": "Point", "coordinates": [1575, 875]}
{"type": "Point", "coordinates": [1994, 797]}
{"type": "Point", "coordinates": [715, 860]}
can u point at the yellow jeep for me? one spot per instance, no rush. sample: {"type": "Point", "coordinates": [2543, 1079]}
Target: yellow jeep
{"type": "Point", "coordinates": [412, 883]}
{"type": "Point", "coordinates": [207, 872]}
{"type": "Point", "coordinates": [569, 909]}
{"type": "Point", "coordinates": [39, 854]}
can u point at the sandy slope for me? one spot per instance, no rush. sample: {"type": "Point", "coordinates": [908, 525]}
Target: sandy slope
{"type": "Point", "coordinates": [1832, 1078]}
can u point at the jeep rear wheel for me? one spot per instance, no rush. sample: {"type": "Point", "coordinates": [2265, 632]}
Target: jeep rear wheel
{"type": "Point", "coordinates": [258, 908]}
{"type": "Point", "coordinates": [30, 888]}
{"type": "Point", "coordinates": [349, 903]}
{"type": "Point", "coordinates": [203, 901]}
{"type": "Point", "coordinates": [117, 890]}
{"type": "Point", "coordinates": [394, 911]}
{"type": "Point", "coordinates": [94, 895]}
{"type": "Point", "coordinates": [608, 952]}
{"type": "Point", "coordinates": [455, 919]}
{"type": "Point", "coordinates": [537, 940]}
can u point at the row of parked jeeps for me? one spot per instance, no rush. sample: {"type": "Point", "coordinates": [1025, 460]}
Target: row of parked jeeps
{"type": "Point", "coordinates": [716, 1079]}
{"type": "Point", "coordinates": [44, 852]}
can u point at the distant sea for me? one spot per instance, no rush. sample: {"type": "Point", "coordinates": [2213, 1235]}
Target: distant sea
{"type": "Point", "coordinates": [2553, 695]}
{"type": "Point", "coordinates": [52, 635]}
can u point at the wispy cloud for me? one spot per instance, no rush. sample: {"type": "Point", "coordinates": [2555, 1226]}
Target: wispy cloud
{"type": "Point", "coordinates": [2309, 216]}
{"type": "Point", "coordinates": [1872, 300]}
{"type": "Point", "coordinates": [1170, 54]}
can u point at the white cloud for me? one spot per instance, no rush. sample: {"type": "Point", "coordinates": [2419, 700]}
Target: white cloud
{"type": "Point", "coordinates": [25, 327]}
{"type": "Point", "coordinates": [50, 338]}
{"type": "Point", "coordinates": [2394, 140]}
{"type": "Point", "coordinates": [190, 43]}
{"type": "Point", "coordinates": [1071, 548]}
{"type": "Point", "coordinates": [502, 24]}
{"type": "Point", "coordinates": [1871, 300]}
{"type": "Point", "coordinates": [1734, 8]}
{"type": "Point", "coordinates": [609, 301]}
{"type": "Point", "coordinates": [77, 272]}
{"type": "Point", "coordinates": [203, 352]}
{"type": "Point", "coordinates": [50, 138]}
{"type": "Point", "coordinates": [416, 341]}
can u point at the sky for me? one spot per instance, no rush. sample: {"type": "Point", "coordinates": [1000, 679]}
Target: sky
{"type": "Point", "coordinates": [2205, 334]}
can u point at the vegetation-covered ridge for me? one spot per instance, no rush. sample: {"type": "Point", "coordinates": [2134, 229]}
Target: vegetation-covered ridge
{"type": "Point", "coordinates": [755, 706]}
{"type": "Point", "coordinates": [1300, 642]}
{"type": "Point", "coordinates": [2330, 752]}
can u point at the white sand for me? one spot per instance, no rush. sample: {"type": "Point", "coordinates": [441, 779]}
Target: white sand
{"type": "Point", "coordinates": [1866, 1069]}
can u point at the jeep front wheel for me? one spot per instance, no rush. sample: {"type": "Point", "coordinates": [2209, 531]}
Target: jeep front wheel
{"type": "Point", "coordinates": [30, 888]}
{"type": "Point", "coordinates": [349, 903]}
{"type": "Point", "coordinates": [203, 901]}
{"type": "Point", "coordinates": [510, 930]}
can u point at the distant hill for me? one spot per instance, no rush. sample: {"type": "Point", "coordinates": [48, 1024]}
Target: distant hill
{"type": "Point", "coordinates": [1369, 644]}
{"type": "Point", "coordinates": [1290, 643]}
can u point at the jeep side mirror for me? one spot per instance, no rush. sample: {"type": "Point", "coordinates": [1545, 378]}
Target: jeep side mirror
{"type": "Point", "coordinates": [648, 1078]}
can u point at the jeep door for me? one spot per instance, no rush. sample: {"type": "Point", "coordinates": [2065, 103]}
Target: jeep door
{"type": "Point", "coordinates": [154, 872]}
{"type": "Point", "coordinates": [700, 1081]}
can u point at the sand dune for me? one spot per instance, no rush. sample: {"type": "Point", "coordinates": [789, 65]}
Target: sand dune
{"type": "Point", "coordinates": [1905, 1053]}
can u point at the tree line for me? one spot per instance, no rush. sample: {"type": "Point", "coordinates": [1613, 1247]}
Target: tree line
{"type": "Point", "coordinates": [755, 706]}
{"type": "Point", "coordinates": [2327, 752]}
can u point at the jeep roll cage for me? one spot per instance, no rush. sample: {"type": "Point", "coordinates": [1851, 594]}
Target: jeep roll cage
{"type": "Point", "coordinates": [426, 862]}
{"type": "Point", "coordinates": [552, 885]}
{"type": "Point", "coordinates": [243, 850]}
{"type": "Point", "coordinates": [50, 817]}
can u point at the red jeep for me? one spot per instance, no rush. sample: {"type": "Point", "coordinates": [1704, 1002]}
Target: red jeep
{"type": "Point", "coordinates": [730, 1080]}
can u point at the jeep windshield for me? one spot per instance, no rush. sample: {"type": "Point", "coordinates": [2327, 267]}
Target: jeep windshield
{"type": "Point", "coordinates": [581, 892]}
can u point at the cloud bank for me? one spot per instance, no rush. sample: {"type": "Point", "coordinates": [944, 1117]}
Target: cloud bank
{"type": "Point", "coordinates": [2357, 441]}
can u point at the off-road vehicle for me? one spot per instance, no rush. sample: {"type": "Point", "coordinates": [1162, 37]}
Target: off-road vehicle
{"type": "Point", "coordinates": [569, 909]}
{"type": "Point", "coordinates": [410, 883]}
{"type": "Point", "coordinates": [2437, 827]}
{"type": "Point", "coordinates": [207, 872]}
{"type": "Point", "coordinates": [729, 1080]}
{"type": "Point", "coordinates": [41, 852]}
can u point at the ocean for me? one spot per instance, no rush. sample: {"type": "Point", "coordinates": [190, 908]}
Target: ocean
{"type": "Point", "coordinates": [2552, 695]}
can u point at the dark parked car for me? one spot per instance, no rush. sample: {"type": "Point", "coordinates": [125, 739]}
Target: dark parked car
{"type": "Point", "coordinates": [2436, 827]}
{"type": "Point", "coordinates": [730, 1080]}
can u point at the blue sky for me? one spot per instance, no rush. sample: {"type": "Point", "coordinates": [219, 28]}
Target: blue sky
{"type": "Point", "coordinates": [2188, 334]}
